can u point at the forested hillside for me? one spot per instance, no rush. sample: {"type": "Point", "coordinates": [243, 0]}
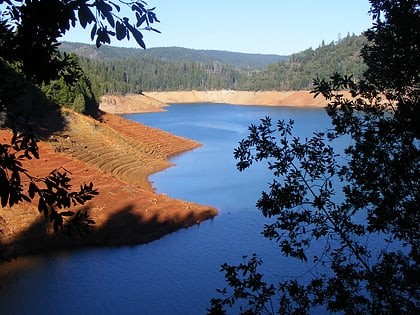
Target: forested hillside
{"type": "Point", "coordinates": [133, 75]}
{"type": "Point", "coordinates": [298, 71]}
{"type": "Point", "coordinates": [108, 53]}
{"type": "Point", "coordinates": [125, 70]}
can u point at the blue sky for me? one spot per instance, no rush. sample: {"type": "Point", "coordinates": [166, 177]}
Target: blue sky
{"type": "Point", "coordinates": [265, 26]}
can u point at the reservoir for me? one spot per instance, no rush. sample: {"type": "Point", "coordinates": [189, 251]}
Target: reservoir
{"type": "Point", "coordinates": [179, 273]}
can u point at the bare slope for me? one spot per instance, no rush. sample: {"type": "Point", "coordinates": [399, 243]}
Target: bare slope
{"type": "Point", "coordinates": [267, 98]}
{"type": "Point", "coordinates": [117, 155]}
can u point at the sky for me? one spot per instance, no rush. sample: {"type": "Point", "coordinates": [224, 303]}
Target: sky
{"type": "Point", "coordinates": [280, 27]}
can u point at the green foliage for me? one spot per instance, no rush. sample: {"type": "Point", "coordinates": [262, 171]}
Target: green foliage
{"type": "Point", "coordinates": [299, 69]}
{"type": "Point", "coordinates": [20, 96]}
{"type": "Point", "coordinates": [145, 74]}
{"type": "Point", "coordinates": [370, 235]}
{"type": "Point", "coordinates": [29, 58]}
{"type": "Point", "coordinates": [177, 54]}
{"type": "Point", "coordinates": [79, 103]}
{"type": "Point", "coordinates": [78, 96]}
{"type": "Point", "coordinates": [174, 69]}
{"type": "Point", "coordinates": [46, 21]}
{"type": "Point", "coordinates": [39, 61]}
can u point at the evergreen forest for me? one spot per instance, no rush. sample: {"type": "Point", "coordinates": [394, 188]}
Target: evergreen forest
{"type": "Point", "coordinates": [129, 70]}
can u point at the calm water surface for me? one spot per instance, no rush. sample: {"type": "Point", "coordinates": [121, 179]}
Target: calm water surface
{"type": "Point", "coordinates": [179, 273]}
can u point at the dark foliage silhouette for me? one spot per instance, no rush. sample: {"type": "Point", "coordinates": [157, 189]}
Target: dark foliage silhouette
{"type": "Point", "coordinates": [362, 204]}
{"type": "Point", "coordinates": [29, 58]}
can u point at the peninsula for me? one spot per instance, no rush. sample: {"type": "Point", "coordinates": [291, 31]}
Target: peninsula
{"type": "Point", "coordinates": [118, 155]}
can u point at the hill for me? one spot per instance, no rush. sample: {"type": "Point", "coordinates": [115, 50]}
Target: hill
{"type": "Point", "coordinates": [177, 54]}
{"type": "Point", "coordinates": [128, 70]}
{"type": "Point", "coordinates": [298, 71]}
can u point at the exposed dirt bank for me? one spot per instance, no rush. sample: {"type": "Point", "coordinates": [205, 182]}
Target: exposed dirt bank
{"type": "Point", "coordinates": [156, 101]}
{"type": "Point", "coordinates": [267, 98]}
{"type": "Point", "coordinates": [117, 155]}
{"type": "Point", "coordinates": [132, 103]}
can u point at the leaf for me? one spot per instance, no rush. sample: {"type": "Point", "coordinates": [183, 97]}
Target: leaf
{"type": "Point", "coordinates": [93, 31]}
{"type": "Point", "coordinates": [110, 19]}
{"type": "Point", "coordinates": [155, 30]}
{"type": "Point", "coordinates": [58, 222]}
{"type": "Point", "coordinates": [98, 42]}
{"type": "Point", "coordinates": [4, 188]}
{"type": "Point", "coordinates": [85, 16]}
{"type": "Point", "coordinates": [4, 194]}
{"type": "Point", "coordinates": [151, 17]}
{"type": "Point", "coordinates": [35, 153]}
{"type": "Point", "coordinates": [27, 155]}
{"type": "Point", "coordinates": [67, 213]}
{"type": "Point", "coordinates": [13, 198]}
{"type": "Point", "coordinates": [42, 207]}
{"type": "Point", "coordinates": [137, 36]}
{"type": "Point", "coordinates": [140, 19]}
{"type": "Point", "coordinates": [116, 6]}
{"type": "Point", "coordinates": [139, 7]}
{"type": "Point", "coordinates": [103, 37]}
{"type": "Point", "coordinates": [103, 7]}
{"type": "Point", "coordinates": [26, 198]}
{"type": "Point", "coordinates": [121, 30]}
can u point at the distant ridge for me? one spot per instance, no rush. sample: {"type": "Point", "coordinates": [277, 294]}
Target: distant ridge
{"type": "Point", "coordinates": [107, 53]}
{"type": "Point", "coordinates": [130, 70]}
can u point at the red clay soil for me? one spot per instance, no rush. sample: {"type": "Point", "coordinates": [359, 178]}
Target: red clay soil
{"type": "Point", "coordinates": [117, 155]}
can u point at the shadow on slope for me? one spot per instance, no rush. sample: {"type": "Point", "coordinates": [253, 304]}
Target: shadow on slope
{"type": "Point", "coordinates": [124, 227]}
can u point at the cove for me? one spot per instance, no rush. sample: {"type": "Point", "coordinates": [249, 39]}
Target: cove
{"type": "Point", "coordinates": [179, 273]}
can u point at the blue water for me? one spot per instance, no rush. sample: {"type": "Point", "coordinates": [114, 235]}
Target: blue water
{"type": "Point", "coordinates": [179, 273]}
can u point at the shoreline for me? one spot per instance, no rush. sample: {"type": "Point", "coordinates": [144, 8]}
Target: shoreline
{"type": "Point", "coordinates": [263, 98]}
{"type": "Point", "coordinates": [157, 101]}
{"type": "Point", "coordinates": [118, 156]}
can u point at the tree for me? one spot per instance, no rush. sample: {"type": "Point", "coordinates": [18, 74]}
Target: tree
{"type": "Point", "coordinates": [371, 234]}
{"type": "Point", "coordinates": [47, 20]}
{"type": "Point", "coordinates": [29, 57]}
{"type": "Point", "coordinates": [78, 96]}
